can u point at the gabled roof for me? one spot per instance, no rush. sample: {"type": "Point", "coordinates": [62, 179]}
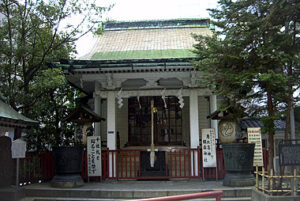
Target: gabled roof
{"type": "Point", "coordinates": [154, 39]}
{"type": "Point", "coordinates": [279, 124]}
{"type": "Point", "coordinates": [83, 115]}
{"type": "Point", "coordinates": [11, 118]}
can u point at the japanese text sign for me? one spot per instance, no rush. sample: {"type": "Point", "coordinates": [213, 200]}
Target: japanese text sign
{"type": "Point", "coordinates": [94, 156]}
{"type": "Point", "coordinates": [208, 147]}
{"type": "Point", "coordinates": [254, 136]}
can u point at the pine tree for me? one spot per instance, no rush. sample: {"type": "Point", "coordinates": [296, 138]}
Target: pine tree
{"type": "Point", "coordinates": [251, 59]}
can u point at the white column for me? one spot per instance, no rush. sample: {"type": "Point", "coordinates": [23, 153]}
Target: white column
{"type": "Point", "coordinates": [111, 131]}
{"type": "Point", "coordinates": [213, 108]}
{"type": "Point", "coordinates": [194, 129]}
{"type": "Point", "coordinates": [97, 110]}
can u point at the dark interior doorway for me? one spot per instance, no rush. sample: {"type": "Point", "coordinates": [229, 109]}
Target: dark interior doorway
{"type": "Point", "coordinates": [167, 121]}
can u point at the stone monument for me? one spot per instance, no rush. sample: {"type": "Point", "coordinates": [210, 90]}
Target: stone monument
{"type": "Point", "coordinates": [7, 167]}
{"type": "Point", "coordinates": [7, 173]}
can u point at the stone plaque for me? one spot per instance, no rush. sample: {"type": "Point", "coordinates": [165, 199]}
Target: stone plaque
{"type": "Point", "coordinates": [289, 154]}
{"type": "Point", "coordinates": [7, 165]}
{"type": "Point", "coordinates": [18, 148]}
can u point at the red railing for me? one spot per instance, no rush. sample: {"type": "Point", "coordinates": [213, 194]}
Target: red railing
{"type": "Point", "coordinates": [180, 163]}
{"type": "Point", "coordinates": [217, 194]}
{"type": "Point", "coordinates": [29, 170]}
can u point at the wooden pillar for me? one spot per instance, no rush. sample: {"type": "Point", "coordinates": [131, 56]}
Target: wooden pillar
{"type": "Point", "coordinates": [97, 109]}
{"type": "Point", "coordinates": [194, 130]}
{"type": "Point", "coordinates": [111, 132]}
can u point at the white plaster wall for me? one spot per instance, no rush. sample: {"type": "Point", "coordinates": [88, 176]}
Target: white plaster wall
{"type": "Point", "coordinates": [122, 122]}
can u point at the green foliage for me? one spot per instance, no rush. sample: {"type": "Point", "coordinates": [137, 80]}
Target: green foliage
{"type": "Point", "coordinates": [253, 57]}
{"type": "Point", "coordinates": [249, 53]}
{"type": "Point", "coordinates": [32, 34]}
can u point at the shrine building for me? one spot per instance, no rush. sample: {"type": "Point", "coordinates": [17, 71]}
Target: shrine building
{"type": "Point", "coordinates": [132, 65]}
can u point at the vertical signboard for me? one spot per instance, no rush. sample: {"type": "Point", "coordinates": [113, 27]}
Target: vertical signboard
{"type": "Point", "coordinates": [254, 136]}
{"type": "Point", "coordinates": [94, 156]}
{"type": "Point", "coordinates": [208, 147]}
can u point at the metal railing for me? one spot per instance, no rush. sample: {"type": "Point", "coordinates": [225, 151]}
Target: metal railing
{"type": "Point", "coordinates": [217, 194]}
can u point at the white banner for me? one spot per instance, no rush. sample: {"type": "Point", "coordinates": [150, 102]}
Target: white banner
{"type": "Point", "coordinates": [254, 136]}
{"type": "Point", "coordinates": [94, 156]}
{"type": "Point", "coordinates": [209, 157]}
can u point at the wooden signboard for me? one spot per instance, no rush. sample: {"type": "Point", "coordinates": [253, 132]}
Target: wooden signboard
{"type": "Point", "coordinates": [254, 136]}
{"type": "Point", "coordinates": [209, 157]}
{"type": "Point", "coordinates": [94, 156]}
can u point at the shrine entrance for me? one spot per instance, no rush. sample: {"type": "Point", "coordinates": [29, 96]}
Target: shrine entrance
{"type": "Point", "coordinates": [167, 121]}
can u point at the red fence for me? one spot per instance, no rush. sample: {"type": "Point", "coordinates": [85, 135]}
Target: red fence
{"type": "Point", "coordinates": [180, 163]}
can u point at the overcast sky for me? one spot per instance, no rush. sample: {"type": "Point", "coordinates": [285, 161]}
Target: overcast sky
{"type": "Point", "coordinates": [132, 10]}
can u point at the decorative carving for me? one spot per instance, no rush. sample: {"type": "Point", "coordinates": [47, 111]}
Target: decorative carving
{"type": "Point", "coordinates": [227, 131]}
{"type": "Point", "coordinates": [193, 79]}
{"type": "Point", "coordinates": [151, 82]}
{"type": "Point", "coordinates": [186, 82]}
{"type": "Point", "coordinates": [110, 81]}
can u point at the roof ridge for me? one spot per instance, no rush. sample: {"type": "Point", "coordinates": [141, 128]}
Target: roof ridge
{"type": "Point", "coordinates": [152, 20]}
{"type": "Point", "coordinates": [146, 24]}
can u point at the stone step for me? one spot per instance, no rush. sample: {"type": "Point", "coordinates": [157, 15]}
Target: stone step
{"type": "Point", "coordinates": [123, 194]}
{"type": "Point", "coordinates": [101, 199]}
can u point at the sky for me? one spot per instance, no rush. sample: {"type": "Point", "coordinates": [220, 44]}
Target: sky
{"type": "Point", "coordinates": [134, 10]}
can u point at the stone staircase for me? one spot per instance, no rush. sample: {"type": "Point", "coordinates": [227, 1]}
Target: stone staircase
{"type": "Point", "coordinates": [139, 190]}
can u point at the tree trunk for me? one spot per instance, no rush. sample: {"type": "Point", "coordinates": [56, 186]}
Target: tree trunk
{"type": "Point", "coordinates": [288, 119]}
{"type": "Point", "coordinates": [270, 130]}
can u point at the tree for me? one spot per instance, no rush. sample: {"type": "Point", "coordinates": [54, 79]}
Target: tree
{"type": "Point", "coordinates": [247, 60]}
{"type": "Point", "coordinates": [33, 33]}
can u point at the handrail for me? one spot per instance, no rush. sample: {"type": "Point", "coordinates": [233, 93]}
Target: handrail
{"type": "Point", "coordinates": [190, 196]}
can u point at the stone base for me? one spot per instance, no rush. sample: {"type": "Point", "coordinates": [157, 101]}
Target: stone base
{"type": "Point", "coordinates": [11, 194]}
{"type": "Point", "coordinates": [260, 196]}
{"type": "Point", "coordinates": [67, 181]}
{"type": "Point", "coordinates": [238, 179]}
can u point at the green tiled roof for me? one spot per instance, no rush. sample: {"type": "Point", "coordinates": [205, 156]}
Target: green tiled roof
{"type": "Point", "coordinates": [8, 113]}
{"type": "Point", "coordinates": [143, 54]}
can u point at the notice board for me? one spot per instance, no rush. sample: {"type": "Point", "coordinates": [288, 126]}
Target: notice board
{"type": "Point", "coordinates": [94, 156]}
{"type": "Point", "coordinates": [254, 136]}
{"type": "Point", "coordinates": [209, 157]}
